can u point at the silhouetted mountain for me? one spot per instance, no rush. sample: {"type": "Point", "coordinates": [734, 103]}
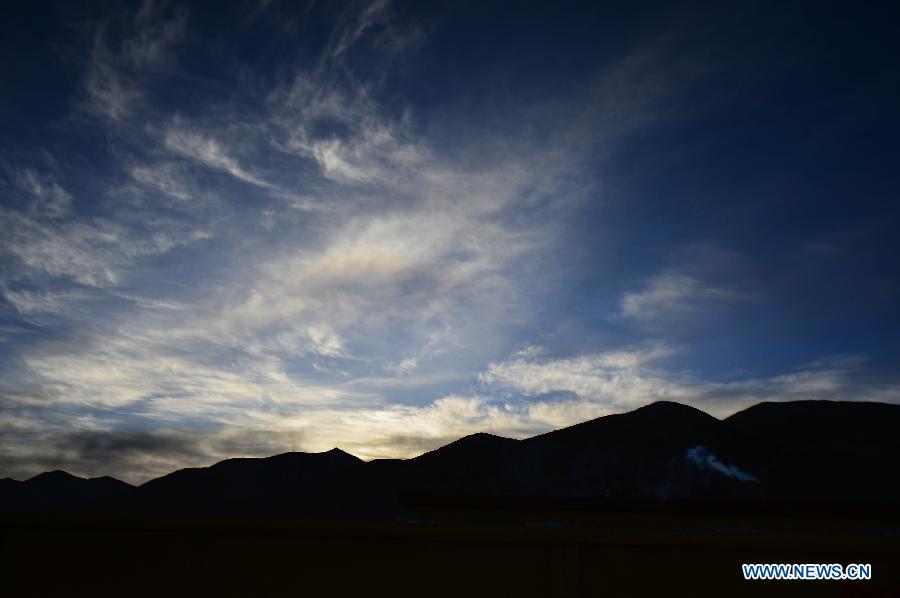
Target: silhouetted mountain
{"type": "Point", "coordinates": [329, 485]}
{"type": "Point", "coordinates": [60, 491]}
{"type": "Point", "coordinates": [834, 451]}
{"type": "Point", "coordinates": [810, 452]}
{"type": "Point", "coordinates": [475, 464]}
{"type": "Point", "coordinates": [619, 456]}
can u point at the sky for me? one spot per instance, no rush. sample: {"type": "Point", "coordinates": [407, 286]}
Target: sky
{"type": "Point", "coordinates": [239, 229]}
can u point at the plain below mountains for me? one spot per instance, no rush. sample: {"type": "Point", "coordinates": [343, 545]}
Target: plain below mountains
{"type": "Point", "coordinates": [806, 453]}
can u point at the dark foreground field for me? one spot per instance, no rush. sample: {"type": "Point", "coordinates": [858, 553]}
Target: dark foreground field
{"type": "Point", "coordinates": [600, 554]}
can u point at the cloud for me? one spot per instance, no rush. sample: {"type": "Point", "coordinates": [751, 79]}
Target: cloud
{"type": "Point", "coordinates": [93, 252]}
{"type": "Point", "coordinates": [109, 93]}
{"type": "Point", "coordinates": [340, 127]}
{"type": "Point", "coordinates": [193, 144]}
{"type": "Point", "coordinates": [361, 21]}
{"type": "Point", "coordinates": [624, 380]}
{"type": "Point", "coordinates": [75, 250]}
{"type": "Point", "coordinates": [156, 376]}
{"type": "Point", "coordinates": [34, 302]}
{"type": "Point", "coordinates": [325, 342]}
{"type": "Point", "coordinates": [531, 351]}
{"type": "Point", "coordinates": [671, 295]}
{"type": "Point", "coordinates": [614, 379]}
{"type": "Point", "coordinates": [703, 281]}
{"type": "Point", "coordinates": [165, 178]}
{"type": "Point", "coordinates": [134, 456]}
{"type": "Point", "coordinates": [49, 198]}
{"type": "Point", "coordinates": [127, 48]}
{"type": "Point", "coordinates": [403, 367]}
{"type": "Point", "coordinates": [416, 255]}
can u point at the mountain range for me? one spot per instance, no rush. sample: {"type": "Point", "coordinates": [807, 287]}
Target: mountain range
{"type": "Point", "coordinates": [810, 454]}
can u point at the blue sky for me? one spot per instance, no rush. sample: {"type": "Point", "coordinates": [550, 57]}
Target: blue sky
{"type": "Point", "coordinates": [249, 228]}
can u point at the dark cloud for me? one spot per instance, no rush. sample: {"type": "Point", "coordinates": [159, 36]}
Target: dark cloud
{"type": "Point", "coordinates": [131, 455]}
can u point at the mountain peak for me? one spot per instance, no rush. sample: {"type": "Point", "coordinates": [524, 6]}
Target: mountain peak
{"type": "Point", "coordinates": [471, 446]}
{"type": "Point", "coordinates": [56, 475]}
{"type": "Point", "coordinates": [334, 454]}
{"type": "Point", "coordinates": [337, 453]}
{"type": "Point", "coordinates": [483, 437]}
{"type": "Point", "coordinates": [670, 408]}
{"type": "Point", "coordinates": [480, 439]}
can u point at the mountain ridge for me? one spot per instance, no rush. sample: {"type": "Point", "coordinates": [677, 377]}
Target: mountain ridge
{"type": "Point", "coordinates": [813, 451]}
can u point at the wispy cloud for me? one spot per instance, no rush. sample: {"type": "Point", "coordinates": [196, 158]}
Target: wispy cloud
{"type": "Point", "coordinates": [127, 48]}
{"type": "Point", "coordinates": [166, 178]}
{"type": "Point", "coordinates": [193, 144]}
{"type": "Point", "coordinates": [672, 295]}
{"type": "Point", "coordinates": [622, 380]}
{"type": "Point", "coordinates": [49, 199]}
{"type": "Point", "coordinates": [703, 281]}
{"type": "Point", "coordinates": [92, 252]}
